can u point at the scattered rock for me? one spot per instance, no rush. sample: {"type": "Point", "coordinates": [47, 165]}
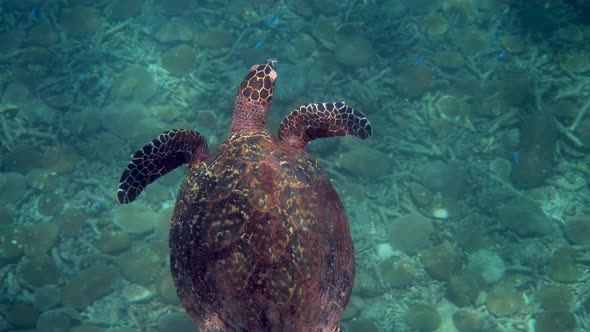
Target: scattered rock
{"type": "Point", "coordinates": [121, 329]}
{"type": "Point", "coordinates": [449, 179]}
{"type": "Point", "coordinates": [462, 12]}
{"type": "Point", "coordinates": [362, 325]}
{"type": "Point", "coordinates": [487, 264]}
{"type": "Point", "coordinates": [471, 41]}
{"type": "Point", "coordinates": [136, 293]}
{"type": "Point", "coordinates": [366, 285]}
{"type": "Point", "coordinates": [173, 7]}
{"type": "Point", "coordinates": [354, 308]}
{"type": "Point", "coordinates": [177, 322]}
{"type": "Point", "coordinates": [500, 167]}
{"type": "Point", "coordinates": [449, 107]}
{"type": "Point", "coordinates": [462, 290]}
{"type": "Point", "coordinates": [62, 101]}
{"type": "Point", "coordinates": [304, 45]}
{"type": "Point", "coordinates": [135, 218]}
{"type": "Point", "coordinates": [576, 63]}
{"type": "Point", "coordinates": [178, 31]}
{"type": "Point", "coordinates": [502, 302]}
{"type": "Point", "coordinates": [355, 52]}
{"type": "Point", "coordinates": [39, 238]}
{"type": "Point", "coordinates": [35, 55]}
{"type": "Point", "coordinates": [53, 321]}
{"type": "Point", "coordinates": [7, 215]}
{"type": "Point", "coordinates": [40, 271]}
{"type": "Point", "coordinates": [61, 158]}
{"type": "Point", "coordinates": [328, 7]}
{"type": "Point", "coordinates": [44, 34]}
{"type": "Point", "coordinates": [367, 163]}
{"type": "Point", "coordinates": [143, 264]}
{"type": "Point", "coordinates": [556, 320]}
{"type": "Point", "coordinates": [441, 262]}
{"type": "Point", "coordinates": [467, 320]}
{"type": "Point", "coordinates": [563, 267]}
{"type": "Point", "coordinates": [413, 81]}
{"type": "Point", "coordinates": [11, 244]}
{"type": "Point", "coordinates": [449, 60]}
{"type": "Point", "coordinates": [112, 242]}
{"type": "Point", "coordinates": [423, 317]}
{"type": "Point", "coordinates": [46, 297]}
{"type": "Point", "coordinates": [86, 328]}
{"type": "Point", "coordinates": [43, 180]}
{"type": "Point", "coordinates": [346, 32]}
{"type": "Point", "coordinates": [21, 159]}
{"type": "Point", "coordinates": [554, 297]}
{"type": "Point", "coordinates": [11, 40]}
{"type": "Point", "coordinates": [434, 24]}
{"type": "Point", "coordinates": [215, 39]}
{"type": "Point", "coordinates": [410, 233]}
{"type": "Point", "coordinates": [421, 7]}
{"type": "Point", "coordinates": [565, 109]}
{"type": "Point", "coordinates": [120, 118]}
{"type": "Point", "coordinates": [37, 112]}
{"type": "Point", "coordinates": [421, 196]}
{"type": "Point", "coordinates": [166, 289]}
{"type": "Point", "coordinates": [70, 221]}
{"type": "Point", "coordinates": [13, 188]}
{"type": "Point", "coordinates": [50, 204]}
{"type": "Point", "coordinates": [90, 285]}
{"type": "Point", "coordinates": [91, 119]}
{"type": "Point", "coordinates": [124, 9]}
{"type": "Point", "coordinates": [538, 142]}
{"type": "Point", "coordinates": [396, 272]}
{"type": "Point", "coordinates": [577, 230]}
{"type": "Point", "coordinates": [108, 148]}
{"type": "Point", "coordinates": [571, 33]}
{"type": "Point", "coordinates": [513, 43]}
{"type": "Point", "coordinates": [22, 315]}
{"type": "Point", "coordinates": [179, 60]}
{"type": "Point", "coordinates": [79, 21]}
{"type": "Point", "coordinates": [134, 84]}
{"type": "Point", "coordinates": [15, 93]}
{"type": "Point", "coordinates": [524, 217]}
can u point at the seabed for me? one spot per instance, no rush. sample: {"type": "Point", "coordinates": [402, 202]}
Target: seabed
{"type": "Point", "coordinates": [469, 207]}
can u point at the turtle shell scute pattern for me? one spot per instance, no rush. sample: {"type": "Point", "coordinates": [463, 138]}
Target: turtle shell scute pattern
{"type": "Point", "coordinates": [260, 239]}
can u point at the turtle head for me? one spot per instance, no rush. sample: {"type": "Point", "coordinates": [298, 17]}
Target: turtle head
{"type": "Point", "coordinates": [254, 97]}
{"type": "Point", "coordinates": [258, 86]}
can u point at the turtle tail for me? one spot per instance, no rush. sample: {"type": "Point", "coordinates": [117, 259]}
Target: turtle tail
{"type": "Point", "coordinates": [166, 152]}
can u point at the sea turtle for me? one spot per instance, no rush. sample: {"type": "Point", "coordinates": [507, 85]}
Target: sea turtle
{"type": "Point", "coordinates": [259, 238]}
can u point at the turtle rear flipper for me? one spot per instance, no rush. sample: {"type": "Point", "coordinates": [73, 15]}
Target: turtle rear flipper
{"type": "Point", "coordinates": [323, 120]}
{"type": "Point", "coordinates": [165, 153]}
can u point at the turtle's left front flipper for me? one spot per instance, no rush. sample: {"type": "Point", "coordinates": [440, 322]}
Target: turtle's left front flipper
{"type": "Point", "coordinates": [160, 156]}
{"type": "Point", "coordinates": [323, 120]}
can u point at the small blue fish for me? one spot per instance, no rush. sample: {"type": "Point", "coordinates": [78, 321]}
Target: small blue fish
{"type": "Point", "coordinates": [495, 38]}
{"type": "Point", "coordinates": [502, 54]}
{"type": "Point", "coordinates": [260, 43]}
{"type": "Point", "coordinates": [515, 158]}
{"type": "Point", "coordinates": [418, 60]}
{"type": "Point", "coordinates": [269, 21]}
{"type": "Point", "coordinates": [33, 12]}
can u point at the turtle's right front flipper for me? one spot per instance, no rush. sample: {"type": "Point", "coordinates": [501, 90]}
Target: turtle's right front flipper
{"type": "Point", "coordinates": [160, 156]}
{"type": "Point", "coordinates": [313, 121]}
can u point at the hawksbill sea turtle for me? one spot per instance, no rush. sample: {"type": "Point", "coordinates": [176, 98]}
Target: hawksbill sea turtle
{"type": "Point", "coordinates": [259, 239]}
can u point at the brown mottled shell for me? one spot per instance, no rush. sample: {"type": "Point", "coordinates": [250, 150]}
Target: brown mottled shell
{"type": "Point", "coordinates": [260, 240]}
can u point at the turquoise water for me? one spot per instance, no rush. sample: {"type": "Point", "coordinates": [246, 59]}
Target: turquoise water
{"type": "Point", "coordinates": [468, 206]}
